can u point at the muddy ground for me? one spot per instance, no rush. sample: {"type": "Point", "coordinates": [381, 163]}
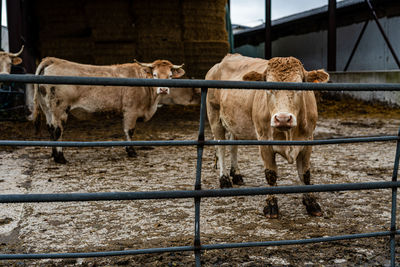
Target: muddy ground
{"type": "Point", "coordinates": [103, 226]}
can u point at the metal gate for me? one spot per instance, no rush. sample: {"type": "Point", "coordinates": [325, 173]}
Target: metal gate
{"type": "Point", "coordinates": [198, 193]}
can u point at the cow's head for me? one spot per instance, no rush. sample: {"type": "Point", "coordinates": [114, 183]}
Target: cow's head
{"type": "Point", "coordinates": [162, 69]}
{"type": "Point", "coordinates": [285, 105]}
{"type": "Point", "coordinates": [8, 59]}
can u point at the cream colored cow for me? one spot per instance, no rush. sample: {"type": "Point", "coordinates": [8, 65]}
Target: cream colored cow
{"type": "Point", "coordinates": [265, 115]}
{"type": "Point", "coordinates": [56, 101]}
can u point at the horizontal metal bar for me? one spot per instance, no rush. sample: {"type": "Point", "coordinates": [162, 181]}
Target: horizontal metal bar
{"type": "Point", "coordinates": [94, 254]}
{"type": "Point", "coordinates": [191, 248]}
{"type": "Point", "coordinates": [194, 142]}
{"type": "Point", "coordinates": [10, 92]}
{"type": "Point", "coordinates": [106, 81]}
{"type": "Point", "coordinates": [113, 196]}
{"type": "Point", "coordinates": [298, 241]}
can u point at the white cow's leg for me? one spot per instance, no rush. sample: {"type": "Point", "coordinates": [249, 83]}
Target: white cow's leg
{"type": "Point", "coordinates": [237, 178]}
{"type": "Point", "coordinates": [303, 170]}
{"type": "Point", "coordinates": [271, 209]}
{"type": "Point", "coordinates": [56, 129]}
{"type": "Point", "coordinates": [129, 129]}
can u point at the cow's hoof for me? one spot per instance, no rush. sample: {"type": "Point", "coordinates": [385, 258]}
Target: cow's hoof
{"type": "Point", "coordinates": [225, 182]}
{"type": "Point", "coordinates": [271, 210]}
{"type": "Point", "coordinates": [131, 152]}
{"type": "Point", "coordinates": [312, 206]}
{"type": "Point", "coordinates": [59, 158]}
{"type": "Point", "coordinates": [237, 179]}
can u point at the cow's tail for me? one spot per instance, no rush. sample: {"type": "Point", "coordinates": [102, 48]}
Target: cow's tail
{"type": "Point", "coordinates": [35, 116]}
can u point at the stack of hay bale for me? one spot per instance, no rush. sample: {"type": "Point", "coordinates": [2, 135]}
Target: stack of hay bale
{"type": "Point", "coordinates": [63, 30]}
{"type": "Point", "coordinates": [111, 32]}
{"type": "Point", "coordinates": [205, 37]}
{"type": "Point", "coordinates": [159, 28]}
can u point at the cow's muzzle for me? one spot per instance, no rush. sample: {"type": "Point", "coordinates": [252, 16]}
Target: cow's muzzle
{"type": "Point", "coordinates": [283, 121]}
{"type": "Point", "coordinates": [163, 90]}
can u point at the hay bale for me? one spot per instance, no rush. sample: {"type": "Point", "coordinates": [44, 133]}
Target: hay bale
{"type": "Point", "coordinates": [111, 21]}
{"type": "Point", "coordinates": [200, 56]}
{"type": "Point", "coordinates": [52, 20]}
{"type": "Point", "coordinates": [114, 53]}
{"type": "Point", "coordinates": [74, 49]}
{"type": "Point", "coordinates": [103, 32]}
{"type": "Point", "coordinates": [204, 22]}
{"type": "Point", "coordinates": [149, 50]}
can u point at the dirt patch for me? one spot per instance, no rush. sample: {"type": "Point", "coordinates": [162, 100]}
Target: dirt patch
{"type": "Point", "coordinates": [121, 225]}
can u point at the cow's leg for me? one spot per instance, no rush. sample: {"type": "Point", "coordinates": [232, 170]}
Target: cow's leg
{"type": "Point", "coordinates": [271, 209]}
{"type": "Point", "coordinates": [129, 129]}
{"type": "Point", "coordinates": [237, 178]}
{"type": "Point", "coordinates": [303, 169]}
{"type": "Point", "coordinates": [56, 129]}
{"type": "Point", "coordinates": [219, 134]}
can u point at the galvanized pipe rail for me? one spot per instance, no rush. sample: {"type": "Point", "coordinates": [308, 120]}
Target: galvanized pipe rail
{"type": "Point", "coordinates": [198, 193]}
{"type": "Point", "coordinates": [103, 81]}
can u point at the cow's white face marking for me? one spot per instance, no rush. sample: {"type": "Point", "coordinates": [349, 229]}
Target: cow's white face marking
{"type": "Point", "coordinates": [161, 90]}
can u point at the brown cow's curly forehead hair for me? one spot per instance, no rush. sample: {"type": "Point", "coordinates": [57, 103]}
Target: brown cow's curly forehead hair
{"type": "Point", "coordinates": [284, 63]}
{"type": "Point", "coordinates": [283, 68]}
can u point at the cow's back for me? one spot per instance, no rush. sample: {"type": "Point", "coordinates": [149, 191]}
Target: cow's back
{"type": "Point", "coordinates": [57, 67]}
{"type": "Point", "coordinates": [234, 66]}
{"type": "Point", "coordinates": [232, 106]}
{"type": "Point", "coordinates": [95, 98]}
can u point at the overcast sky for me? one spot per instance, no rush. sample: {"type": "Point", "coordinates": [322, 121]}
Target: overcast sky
{"type": "Point", "coordinates": [3, 14]}
{"type": "Point", "coordinates": [252, 12]}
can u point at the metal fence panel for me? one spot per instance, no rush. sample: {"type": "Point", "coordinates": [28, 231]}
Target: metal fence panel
{"type": "Point", "coordinates": [198, 193]}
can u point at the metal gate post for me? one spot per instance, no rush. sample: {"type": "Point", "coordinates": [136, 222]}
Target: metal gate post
{"type": "Point", "coordinates": [394, 206]}
{"type": "Point", "coordinates": [200, 148]}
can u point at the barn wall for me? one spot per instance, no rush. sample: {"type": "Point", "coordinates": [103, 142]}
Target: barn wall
{"type": "Point", "coordinates": [110, 32]}
{"type": "Point", "coordinates": [368, 65]}
{"type": "Point", "coordinates": [311, 48]}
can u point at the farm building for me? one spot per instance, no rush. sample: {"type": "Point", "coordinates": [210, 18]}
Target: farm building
{"type": "Point", "coordinates": [361, 52]}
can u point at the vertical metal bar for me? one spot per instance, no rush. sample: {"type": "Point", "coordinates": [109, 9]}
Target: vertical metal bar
{"type": "Point", "coordinates": [14, 25]}
{"type": "Point", "coordinates": [394, 205]}
{"type": "Point", "coordinates": [383, 33]}
{"type": "Point", "coordinates": [268, 41]}
{"type": "Point", "coordinates": [1, 24]}
{"type": "Point", "coordinates": [332, 35]}
{"type": "Point", "coordinates": [356, 45]}
{"type": "Point", "coordinates": [200, 148]}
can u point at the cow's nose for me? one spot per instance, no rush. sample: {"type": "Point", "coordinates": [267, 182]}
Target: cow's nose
{"type": "Point", "coordinates": [163, 90]}
{"type": "Point", "coordinates": [283, 121]}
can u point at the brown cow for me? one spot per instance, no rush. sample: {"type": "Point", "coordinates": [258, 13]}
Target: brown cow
{"type": "Point", "coordinates": [56, 101]}
{"type": "Point", "coordinates": [265, 115]}
{"type": "Point", "coordinates": [9, 59]}
{"type": "Point", "coordinates": [181, 96]}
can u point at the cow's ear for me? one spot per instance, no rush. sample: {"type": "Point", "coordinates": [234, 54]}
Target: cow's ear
{"type": "Point", "coordinates": [316, 76]}
{"type": "Point", "coordinates": [148, 72]}
{"type": "Point", "coordinates": [177, 73]}
{"type": "Point", "coordinates": [16, 60]}
{"type": "Point", "coordinates": [253, 76]}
